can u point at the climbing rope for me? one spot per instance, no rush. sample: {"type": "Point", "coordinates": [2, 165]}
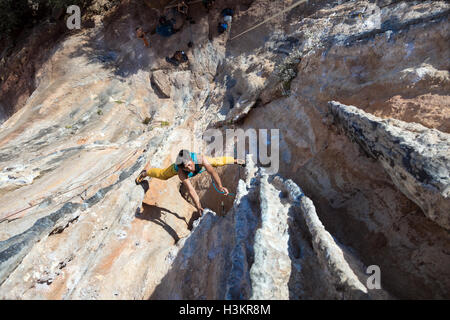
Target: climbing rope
{"type": "Point", "coordinates": [221, 192]}
{"type": "Point", "coordinates": [271, 18]}
{"type": "Point", "coordinates": [288, 9]}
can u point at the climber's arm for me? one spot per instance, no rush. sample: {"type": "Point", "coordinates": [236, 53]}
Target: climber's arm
{"type": "Point", "coordinates": [209, 168]}
{"type": "Point", "coordinates": [184, 179]}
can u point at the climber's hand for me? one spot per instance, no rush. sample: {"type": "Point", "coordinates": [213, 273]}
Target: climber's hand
{"type": "Point", "coordinates": [200, 211]}
{"type": "Point", "coordinates": [224, 190]}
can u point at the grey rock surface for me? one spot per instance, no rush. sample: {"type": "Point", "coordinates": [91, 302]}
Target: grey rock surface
{"type": "Point", "coordinates": [262, 250]}
{"type": "Point", "coordinates": [415, 157]}
{"type": "Point", "coordinates": [74, 135]}
{"type": "Point", "coordinates": [160, 79]}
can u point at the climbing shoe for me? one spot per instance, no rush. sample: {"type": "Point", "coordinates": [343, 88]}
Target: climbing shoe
{"type": "Point", "coordinates": [141, 177]}
{"type": "Point", "coordinates": [240, 162]}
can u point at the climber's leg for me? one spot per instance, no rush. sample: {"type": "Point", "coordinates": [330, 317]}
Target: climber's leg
{"type": "Point", "coordinates": [162, 174]}
{"type": "Point", "coordinates": [221, 161]}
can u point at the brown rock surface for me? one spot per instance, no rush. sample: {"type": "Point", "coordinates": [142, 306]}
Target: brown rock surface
{"type": "Point", "coordinates": [74, 225]}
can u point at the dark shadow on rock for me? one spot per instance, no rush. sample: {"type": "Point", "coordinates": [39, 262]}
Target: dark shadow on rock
{"type": "Point", "coordinates": [154, 214]}
{"type": "Point", "coordinates": [308, 279]}
{"type": "Point", "coordinates": [179, 282]}
{"type": "Point", "coordinates": [228, 246]}
{"type": "Point", "coordinates": [295, 254]}
{"type": "Point", "coordinates": [195, 216]}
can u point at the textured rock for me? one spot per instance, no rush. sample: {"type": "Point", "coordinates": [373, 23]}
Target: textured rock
{"type": "Point", "coordinates": [415, 157]}
{"type": "Point", "coordinates": [331, 257]}
{"type": "Point", "coordinates": [85, 142]}
{"type": "Point", "coordinates": [355, 198]}
{"type": "Point", "coordinates": [257, 259]}
{"type": "Point", "coordinates": [272, 268]}
{"type": "Point", "coordinates": [75, 226]}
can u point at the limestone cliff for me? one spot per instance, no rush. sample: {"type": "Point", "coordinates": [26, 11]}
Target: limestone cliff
{"type": "Point", "coordinates": [359, 91]}
{"type": "Point", "coordinates": [416, 158]}
{"type": "Point", "coordinates": [270, 245]}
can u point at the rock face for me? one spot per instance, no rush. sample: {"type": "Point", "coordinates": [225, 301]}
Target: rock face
{"type": "Point", "coordinates": [415, 157]}
{"type": "Point", "coordinates": [278, 249]}
{"type": "Point", "coordinates": [162, 83]}
{"type": "Point", "coordinates": [97, 105]}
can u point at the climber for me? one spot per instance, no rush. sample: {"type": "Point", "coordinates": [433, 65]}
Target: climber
{"type": "Point", "coordinates": [141, 35]}
{"type": "Point", "coordinates": [182, 7]}
{"type": "Point", "coordinates": [178, 58]}
{"type": "Point", "coordinates": [187, 165]}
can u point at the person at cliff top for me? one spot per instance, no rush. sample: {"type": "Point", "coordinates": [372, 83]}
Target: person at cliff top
{"type": "Point", "coordinates": [141, 35]}
{"type": "Point", "coordinates": [188, 165]}
{"type": "Point", "coordinates": [178, 58]}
